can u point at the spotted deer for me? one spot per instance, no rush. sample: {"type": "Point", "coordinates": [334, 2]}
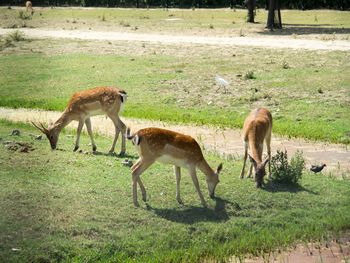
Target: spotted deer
{"type": "Point", "coordinates": [165, 146]}
{"type": "Point", "coordinates": [257, 128]}
{"type": "Point", "coordinates": [83, 105]}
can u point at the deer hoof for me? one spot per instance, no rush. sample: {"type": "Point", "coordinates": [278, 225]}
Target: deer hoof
{"type": "Point", "coordinates": [76, 148]}
{"type": "Point", "coordinates": [179, 201]}
{"type": "Point", "coordinates": [94, 148]}
{"type": "Point", "coordinates": [136, 204]}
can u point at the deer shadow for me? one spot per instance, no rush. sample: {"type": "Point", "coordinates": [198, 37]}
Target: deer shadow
{"type": "Point", "coordinates": [275, 187]}
{"type": "Point", "coordinates": [124, 155]}
{"type": "Point", "coordinates": [193, 214]}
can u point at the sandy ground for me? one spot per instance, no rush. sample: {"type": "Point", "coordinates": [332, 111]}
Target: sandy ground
{"type": "Point", "coordinates": [226, 142]}
{"type": "Point", "coordinates": [267, 42]}
{"type": "Point", "coordinates": [328, 252]}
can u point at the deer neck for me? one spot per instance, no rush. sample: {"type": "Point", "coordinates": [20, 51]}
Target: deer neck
{"type": "Point", "coordinates": [206, 169]}
{"type": "Point", "coordinates": [254, 147]}
{"type": "Point", "coordinates": [62, 122]}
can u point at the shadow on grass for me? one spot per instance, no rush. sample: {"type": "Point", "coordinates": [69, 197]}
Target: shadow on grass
{"type": "Point", "coordinates": [193, 214]}
{"type": "Point", "coordinates": [274, 187]}
{"type": "Point", "coordinates": [124, 155]}
{"type": "Point", "coordinates": [306, 29]}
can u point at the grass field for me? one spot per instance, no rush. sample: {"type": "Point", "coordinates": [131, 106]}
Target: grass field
{"type": "Point", "coordinates": [307, 91]}
{"type": "Point", "coordinates": [334, 24]}
{"type": "Point", "coordinates": [65, 206]}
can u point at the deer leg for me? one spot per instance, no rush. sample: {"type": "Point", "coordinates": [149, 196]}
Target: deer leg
{"type": "Point", "coordinates": [244, 159]}
{"type": "Point", "coordinates": [250, 170]}
{"type": "Point", "coordinates": [196, 185]}
{"type": "Point", "coordinates": [137, 170]}
{"type": "Point", "coordinates": [178, 178]}
{"type": "Point", "coordinates": [116, 134]}
{"type": "Point", "coordinates": [89, 129]}
{"type": "Point", "coordinates": [80, 127]}
{"type": "Point", "coordinates": [119, 127]}
{"type": "Point", "coordinates": [122, 128]}
{"type": "Point", "coordinates": [268, 146]}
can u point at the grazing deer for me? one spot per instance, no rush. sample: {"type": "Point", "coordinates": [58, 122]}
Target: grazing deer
{"type": "Point", "coordinates": [257, 128]}
{"type": "Point", "coordinates": [29, 6]}
{"type": "Point", "coordinates": [82, 105]}
{"type": "Point", "coordinates": [155, 144]}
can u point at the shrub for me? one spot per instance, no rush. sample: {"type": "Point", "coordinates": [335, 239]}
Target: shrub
{"type": "Point", "coordinates": [22, 15]}
{"type": "Point", "coordinates": [283, 172]}
{"type": "Point", "coordinates": [15, 36]}
{"type": "Point", "coordinates": [249, 75]}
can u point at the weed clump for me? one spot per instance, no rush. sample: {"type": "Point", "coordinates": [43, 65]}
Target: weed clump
{"type": "Point", "coordinates": [249, 75]}
{"type": "Point", "coordinates": [283, 172]}
{"type": "Point", "coordinates": [22, 15]}
{"type": "Point", "coordinates": [285, 65]}
{"type": "Point", "coordinates": [16, 36]}
{"type": "Point", "coordinates": [10, 38]}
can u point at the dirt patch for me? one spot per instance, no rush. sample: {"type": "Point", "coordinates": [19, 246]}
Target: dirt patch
{"type": "Point", "coordinates": [22, 147]}
{"type": "Point", "coordinates": [267, 42]}
{"type": "Point", "coordinates": [226, 142]}
{"type": "Point", "coordinates": [336, 251]}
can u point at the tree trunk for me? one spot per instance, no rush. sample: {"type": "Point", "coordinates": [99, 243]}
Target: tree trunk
{"type": "Point", "coordinates": [251, 7]}
{"type": "Point", "coordinates": [274, 19]}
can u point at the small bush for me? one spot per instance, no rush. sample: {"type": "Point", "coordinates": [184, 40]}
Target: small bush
{"type": "Point", "coordinates": [10, 38]}
{"type": "Point", "coordinates": [285, 65]}
{"type": "Point", "coordinates": [22, 15]}
{"type": "Point", "coordinates": [124, 24]}
{"type": "Point", "coordinates": [283, 172]}
{"type": "Point", "coordinates": [16, 36]}
{"type": "Point", "coordinates": [249, 75]}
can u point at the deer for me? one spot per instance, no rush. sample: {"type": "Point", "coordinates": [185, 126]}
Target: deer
{"type": "Point", "coordinates": [257, 127]}
{"type": "Point", "coordinates": [84, 104]}
{"type": "Point", "coordinates": [170, 147]}
{"type": "Point", "coordinates": [29, 6]}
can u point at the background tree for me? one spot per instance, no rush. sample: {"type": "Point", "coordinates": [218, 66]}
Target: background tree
{"type": "Point", "coordinates": [274, 19]}
{"type": "Point", "coordinates": [251, 4]}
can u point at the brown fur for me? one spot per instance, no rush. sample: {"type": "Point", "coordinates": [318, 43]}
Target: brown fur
{"type": "Point", "coordinates": [156, 144]}
{"type": "Point", "coordinates": [82, 105]}
{"type": "Point", "coordinates": [257, 128]}
{"type": "Point", "coordinates": [154, 141]}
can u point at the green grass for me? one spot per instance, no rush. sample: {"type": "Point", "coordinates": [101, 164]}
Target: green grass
{"type": "Point", "coordinates": [167, 85]}
{"type": "Point", "coordinates": [201, 21]}
{"type": "Point", "coordinates": [65, 206]}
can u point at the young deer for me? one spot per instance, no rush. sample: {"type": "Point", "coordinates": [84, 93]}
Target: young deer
{"type": "Point", "coordinates": [257, 128]}
{"type": "Point", "coordinates": [82, 105]}
{"type": "Point", "coordinates": [155, 144]}
{"type": "Point", "coordinates": [29, 6]}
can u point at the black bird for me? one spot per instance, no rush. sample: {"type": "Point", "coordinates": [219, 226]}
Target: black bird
{"type": "Point", "coordinates": [317, 168]}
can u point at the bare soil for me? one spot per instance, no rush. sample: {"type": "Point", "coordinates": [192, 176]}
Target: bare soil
{"type": "Point", "coordinates": [267, 42]}
{"type": "Point", "coordinates": [225, 142]}
{"type": "Point", "coordinates": [336, 251]}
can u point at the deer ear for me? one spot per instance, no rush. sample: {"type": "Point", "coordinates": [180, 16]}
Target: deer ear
{"type": "Point", "coordinates": [218, 170]}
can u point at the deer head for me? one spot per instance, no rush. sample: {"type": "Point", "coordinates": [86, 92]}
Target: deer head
{"type": "Point", "coordinates": [259, 171]}
{"type": "Point", "coordinates": [213, 181]}
{"type": "Point", "coordinates": [50, 133]}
